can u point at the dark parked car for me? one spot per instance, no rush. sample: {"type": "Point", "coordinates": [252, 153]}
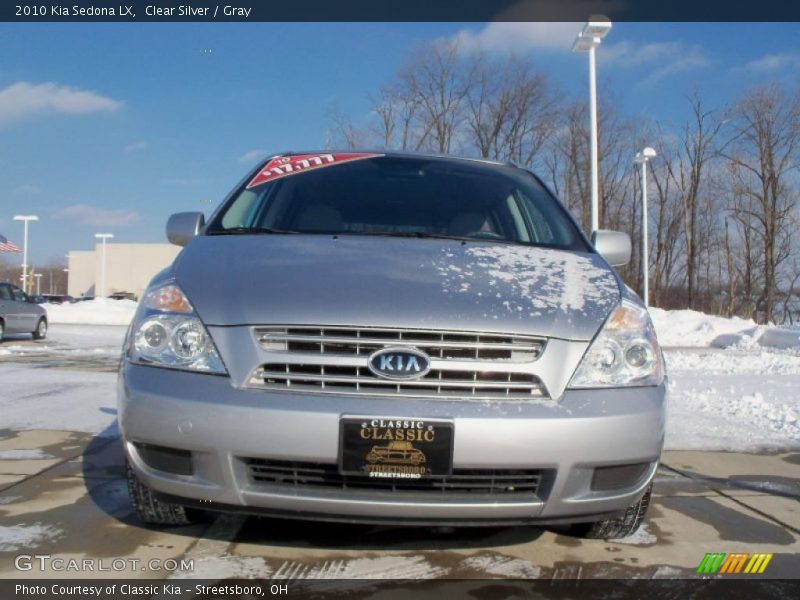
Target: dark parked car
{"type": "Point", "coordinates": [123, 296]}
{"type": "Point", "coordinates": [56, 298]}
{"type": "Point", "coordinates": [20, 314]}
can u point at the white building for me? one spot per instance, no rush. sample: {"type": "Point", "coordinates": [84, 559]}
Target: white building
{"type": "Point", "coordinates": [129, 267]}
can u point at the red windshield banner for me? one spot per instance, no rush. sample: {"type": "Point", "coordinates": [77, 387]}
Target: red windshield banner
{"type": "Point", "coordinates": [281, 166]}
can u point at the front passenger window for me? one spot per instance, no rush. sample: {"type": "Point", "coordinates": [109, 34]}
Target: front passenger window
{"type": "Point", "coordinates": [19, 295]}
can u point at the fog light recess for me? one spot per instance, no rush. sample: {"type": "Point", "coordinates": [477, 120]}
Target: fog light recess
{"type": "Point", "coordinates": [618, 477]}
{"type": "Point", "coordinates": [169, 460]}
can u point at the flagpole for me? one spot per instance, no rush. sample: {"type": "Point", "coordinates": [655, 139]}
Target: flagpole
{"type": "Point", "coordinates": [25, 219]}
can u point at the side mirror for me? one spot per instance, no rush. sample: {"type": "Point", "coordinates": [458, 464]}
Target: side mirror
{"type": "Point", "coordinates": [182, 227]}
{"type": "Point", "coordinates": [614, 246]}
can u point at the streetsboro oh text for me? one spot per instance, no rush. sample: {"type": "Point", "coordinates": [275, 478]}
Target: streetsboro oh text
{"type": "Point", "coordinates": [128, 589]}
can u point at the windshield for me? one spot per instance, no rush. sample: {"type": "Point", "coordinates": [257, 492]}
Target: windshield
{"type": "Point", "coordinates": [403, 196]}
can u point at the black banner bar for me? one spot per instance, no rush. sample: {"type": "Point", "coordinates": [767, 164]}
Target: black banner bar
{"type": "Point", "coordinates": [395, 10]}
{"type": "Point", "coordinates": [746, 588]}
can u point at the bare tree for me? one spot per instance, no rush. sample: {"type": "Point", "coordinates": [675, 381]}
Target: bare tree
{"type": "Point", "coordinates": [511, 109]}
{"type": "Point", "coordinates": [343, 134]}
{"type": "Point", "coordinates": [397, 110]}
{"type": "Point", "coordinates": [763, 153]}
{"type": "Point", "coordinates": [697, 148]}
{"type": "Point", "coordinates": [439, 83]}
{"type": "Point", "coordinates": [667, 219]}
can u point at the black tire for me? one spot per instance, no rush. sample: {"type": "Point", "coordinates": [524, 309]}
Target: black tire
{"type": "Point", "coordinates": [41, 329]}
{"type": "Point", "coordinates": [2, 330]}
{"type": "Point", "coordinates": [150, 509]}
{"type": "Point", "coordinates": [620, 527]}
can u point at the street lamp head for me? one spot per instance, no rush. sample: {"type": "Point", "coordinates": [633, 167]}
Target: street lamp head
{"type": "Point", "coordinates": [104, 235]}
{"type": "Point", "coordinates": [644, 156]}
{"type": "Point", "coordinates": [595, 30]}
{"type": "Point", "coordinates": [598, 26]}
{"type": "Point", "coordinates": [26, 218]}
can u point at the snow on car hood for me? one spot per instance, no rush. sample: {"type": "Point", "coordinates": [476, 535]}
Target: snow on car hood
{"type": "Point", "coordinates": [396, 282]}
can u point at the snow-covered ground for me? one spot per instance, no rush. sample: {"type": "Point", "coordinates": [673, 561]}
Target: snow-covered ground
{"type": "Point", "coordinates": [68, 341]}
{"type": "Point", "coordinates": [41, 395]}
{"type": "Point", "coordinates": [732, 385]}
{"type": "Point", "coordinates": [733, 399]}
{"type": "Point", "coordinates": [100, 311]}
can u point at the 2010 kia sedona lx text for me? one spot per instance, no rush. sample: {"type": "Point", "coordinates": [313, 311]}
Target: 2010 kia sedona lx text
{"type": "Point", "coordinates": [393, 338]}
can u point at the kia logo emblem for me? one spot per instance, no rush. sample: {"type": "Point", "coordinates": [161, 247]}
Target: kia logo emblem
{"type": "Point", "coordinates": [399, 363]}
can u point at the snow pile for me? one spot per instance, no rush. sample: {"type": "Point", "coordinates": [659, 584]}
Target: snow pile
{"type": "Point", "coordinates": [692, 329]}
{"type": "Point", "coordinates": [734, 399]}
{"type": "Point", "coordinates": [775, 337]}
{"type": "Point", "coordinates": [100, 311]}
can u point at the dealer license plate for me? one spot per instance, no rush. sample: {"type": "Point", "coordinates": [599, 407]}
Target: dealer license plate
{"type": "Point", "coordinates": [395, 448]}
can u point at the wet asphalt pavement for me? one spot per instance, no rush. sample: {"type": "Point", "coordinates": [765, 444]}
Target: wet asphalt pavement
{"type": "Point", "coordinates": [63, 493]}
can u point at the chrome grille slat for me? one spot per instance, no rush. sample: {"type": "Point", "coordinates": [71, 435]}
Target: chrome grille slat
{"type": "Point", "coordinates": [344, 341]}
{"type": "Point", "coordinates": [322, 378]}
{"type": "Point", "coordinates": [334, 360]}
{"type": "Point", "coordinates": [358, 380]}
{"type": "Point", "coordinates": [403, 342]}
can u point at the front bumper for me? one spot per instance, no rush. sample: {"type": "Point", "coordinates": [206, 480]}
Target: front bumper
{"type": "Point", "coordinates": [221, 425]}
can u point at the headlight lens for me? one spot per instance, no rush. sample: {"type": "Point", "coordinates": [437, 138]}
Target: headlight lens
{"type": "Point", "coordinates": [166, 332]}
{"type": "Point", "coordinates": [625, 352]}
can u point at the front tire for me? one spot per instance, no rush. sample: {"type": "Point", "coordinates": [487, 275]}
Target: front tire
{"type": "Point", "coordinates": [150, 509]}
{"type": "Point", "coordinates": [620, 527]}
{"type": "Point", "coordinates": [41, 329]}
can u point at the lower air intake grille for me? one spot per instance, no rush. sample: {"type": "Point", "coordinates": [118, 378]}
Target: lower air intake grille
{"type": "Point", "coordinates": [319, 476]}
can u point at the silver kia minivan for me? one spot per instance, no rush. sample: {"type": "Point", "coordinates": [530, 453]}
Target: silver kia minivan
{"type": "Point", "coordinates": [393, 338]}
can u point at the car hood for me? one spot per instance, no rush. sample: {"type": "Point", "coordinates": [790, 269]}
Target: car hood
{"type": "Point", "coordinates": [396, 282]}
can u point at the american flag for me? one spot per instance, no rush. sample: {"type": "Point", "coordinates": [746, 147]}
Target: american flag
{"type": "Point", "coordinates": [7, 245]}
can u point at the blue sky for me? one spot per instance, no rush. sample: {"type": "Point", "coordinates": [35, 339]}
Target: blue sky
{"type": "Point", "coordinates": [113, 127]}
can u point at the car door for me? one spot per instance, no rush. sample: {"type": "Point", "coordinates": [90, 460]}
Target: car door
{"type": "Point", "coordinates": [8, 308]}
{"type": "Point", "coordinates": [26, 315]}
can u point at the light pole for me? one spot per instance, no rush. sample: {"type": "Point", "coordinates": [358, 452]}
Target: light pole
{"type": "Point", "coordinates": [642, 158]}
{"type": "Point", "coordinates": [104, 237]}
{"type": "Point", "coordinates": [587, 41]}
{"type": "Point", "coordinates": [25, 219]}
{"type": "Point", "coordinates": [38, 277]}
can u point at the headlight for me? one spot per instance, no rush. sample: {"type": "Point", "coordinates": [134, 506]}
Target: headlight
{"type": "Point", "coordinates": [625, 352]}
{"type": "Point", "coordinates": [166, 332]}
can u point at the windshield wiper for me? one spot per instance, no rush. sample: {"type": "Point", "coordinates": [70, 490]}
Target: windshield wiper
{"type": "Point", "coordinates": [420, 234]}
{"type": "Point", "coordinates": [442, 236]}
{"type": "Point", "coordinates": [249, 230]}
